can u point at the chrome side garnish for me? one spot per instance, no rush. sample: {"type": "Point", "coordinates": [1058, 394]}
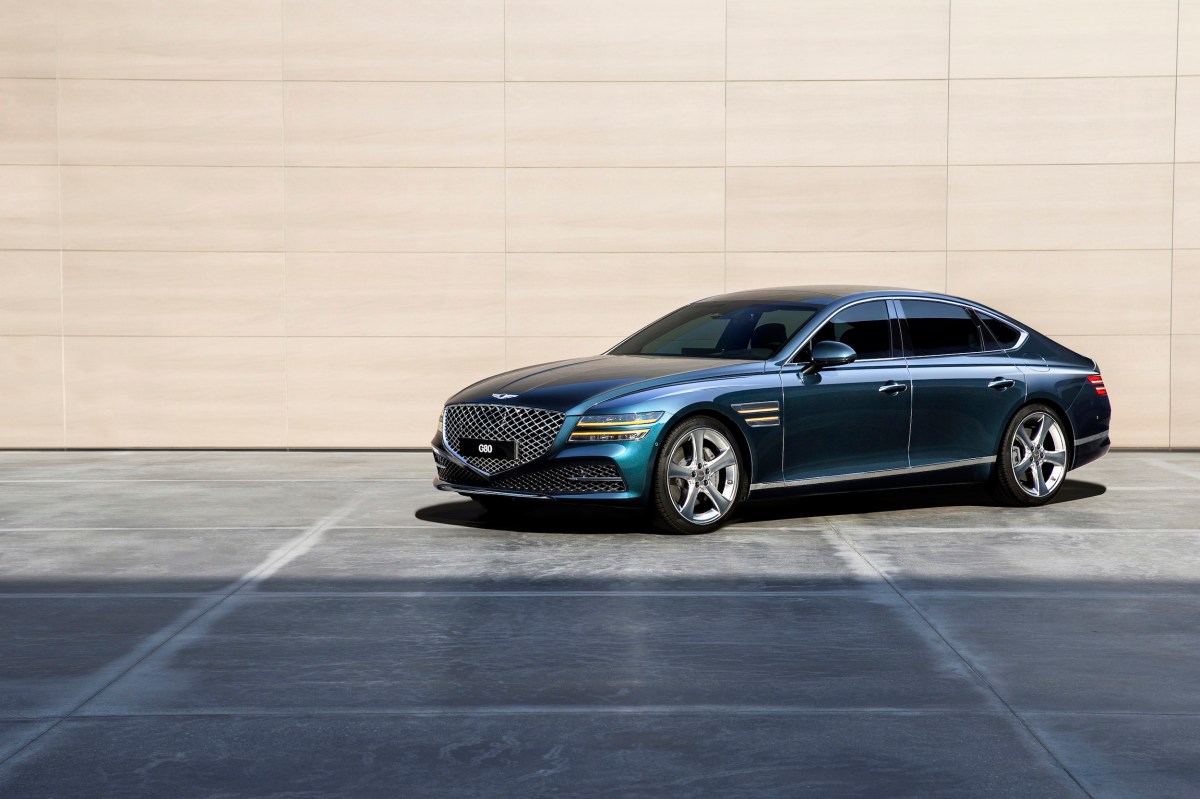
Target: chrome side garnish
{"type": "Point", "coordinates": [841, 478]}
{"type": "Point", "coordinates": [759, 414]}
{"type": "Point", "coordinates": [1090, 439]}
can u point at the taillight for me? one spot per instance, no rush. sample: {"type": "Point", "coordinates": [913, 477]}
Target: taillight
{"type": "Point", "coordinates": [1098, 383]}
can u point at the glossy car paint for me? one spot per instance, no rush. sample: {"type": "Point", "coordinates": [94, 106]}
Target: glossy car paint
{"type": "Point", "coordinates": [838, 431]}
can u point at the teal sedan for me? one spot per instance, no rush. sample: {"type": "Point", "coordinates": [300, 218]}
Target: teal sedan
{"type": "Point", "coordinates": [777, 392]}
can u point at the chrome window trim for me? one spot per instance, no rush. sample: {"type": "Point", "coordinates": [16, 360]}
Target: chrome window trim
{"type": "Point", "coordinates": [975, 307]}
{"type": "Point", "coordinates": [841, 478]}
{"type": "Point", "coordinates": [900, 298]}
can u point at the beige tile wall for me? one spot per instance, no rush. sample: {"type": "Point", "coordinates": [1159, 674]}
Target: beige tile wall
{"type": "Point", "coordinates": [254, 223]}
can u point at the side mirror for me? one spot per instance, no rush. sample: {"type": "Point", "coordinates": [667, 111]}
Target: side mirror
{"type": "Point", "coordinates": [829, 353]}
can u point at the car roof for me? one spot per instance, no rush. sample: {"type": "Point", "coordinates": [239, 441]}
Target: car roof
{"type": "Point", "coordinates": [821, 295]}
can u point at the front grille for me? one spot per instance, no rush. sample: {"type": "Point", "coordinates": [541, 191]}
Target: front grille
{"type": "Point", "coordinates": [586, 477]}
{"type": "Point", "coordinates": [533, 429]}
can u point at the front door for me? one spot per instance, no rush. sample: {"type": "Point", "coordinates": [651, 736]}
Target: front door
{"type": "Point", "coordinates": [854, 418]}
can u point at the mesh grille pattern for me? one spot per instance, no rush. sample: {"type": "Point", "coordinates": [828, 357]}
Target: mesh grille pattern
{"type": "Point", "coordinates": [533, 429]}
{"type": "Point", "coordinates": [589, 477]}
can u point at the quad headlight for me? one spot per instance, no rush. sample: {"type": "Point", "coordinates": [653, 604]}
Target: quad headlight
{"type": "Point", "coordinates": [615, 427]}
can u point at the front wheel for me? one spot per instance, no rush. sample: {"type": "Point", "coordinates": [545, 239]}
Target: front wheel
{"type": "Point", "coordinates": [1034, 458]}
{"type": "Point", "coordinates": [698, 479]}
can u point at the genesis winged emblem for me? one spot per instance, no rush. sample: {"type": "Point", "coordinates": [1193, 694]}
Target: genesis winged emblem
{"type": "Point", "coordinates": [504, 396]}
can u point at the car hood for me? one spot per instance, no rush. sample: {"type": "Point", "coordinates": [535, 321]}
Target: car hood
{"type": "Point", "coordinates": [574, 385]}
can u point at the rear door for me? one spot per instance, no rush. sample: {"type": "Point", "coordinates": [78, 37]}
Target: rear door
{"type": "Point", "coordinates": [965, 389]}
{"type": "Point", "coordinates": [851, 418]}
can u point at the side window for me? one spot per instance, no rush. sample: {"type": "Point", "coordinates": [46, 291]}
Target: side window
{"type": "Point", "coordinates": [940, 328]}
{"type": "Point", "coordinates": [1003, 334]}
{"type": "Point", "coordinates": [864, 327]}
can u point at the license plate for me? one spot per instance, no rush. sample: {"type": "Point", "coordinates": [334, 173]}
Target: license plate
{"type": "Point", "coordinates": [486, 448]}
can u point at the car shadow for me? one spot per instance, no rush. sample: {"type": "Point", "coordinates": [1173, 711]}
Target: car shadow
{"type": "Point", "coordinates": [567, 519]}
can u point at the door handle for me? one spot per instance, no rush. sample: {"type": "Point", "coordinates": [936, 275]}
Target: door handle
{"type": "Point", "coordinates": [1002, 384]}
{"type": "Point", "coordinates": [892, 387]}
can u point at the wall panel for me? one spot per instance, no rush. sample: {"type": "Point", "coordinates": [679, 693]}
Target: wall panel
{"type": "Point", "coordinates": [836, 123]}
{"type": "Point", "coordinates": [848, 40]}
{"type": "Point", "coordinates": [634, 40]}
{"type": "Point", "coordinates": [166, 40]}
{"type": "Point", "coordinates": [306, 222]}
{"type": "Point", "coordinates": [28, 116]}
{"type": "Point", "coordinates": [175, 392]}
{"type": "Point", "coordinates": [1062, 38]}
{"type": "Point", "coordinates": [170, 122]}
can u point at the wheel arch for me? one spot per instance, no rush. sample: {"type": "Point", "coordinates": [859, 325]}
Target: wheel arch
{"type": "Point", "coordinates": [1053, 403]}
{"type": "Point", "coordinates": [726, 418]}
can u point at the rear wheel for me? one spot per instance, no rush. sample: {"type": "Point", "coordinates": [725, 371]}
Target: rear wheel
{"type": "Point", "coordinates": [1034, 458]}
{"type": "Point", "coordinates": [699, 479]}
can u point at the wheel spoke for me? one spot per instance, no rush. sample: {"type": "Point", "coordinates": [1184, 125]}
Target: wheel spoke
{"type": "Point", "coordinates": [689, 502]}
{"type": "Point", "coordinates": [1023, 465]}
{"type": "Point", "coordinates": [1057, 458]}
{"type": "Point", "coordinates": [718, 499]}
{"type": "Point", "coordinates": [726, 458]}
{"type": "Point", "coordinates": [1039, 437]}
{"type": "Point", "coordinates": [697, 447]}
{"type": "Point", "coordinates": [1040, 481]}
{"type": "Point", "coordinates": [678, 471]}
{"type": "Point", "coordinates": [1023, 437]}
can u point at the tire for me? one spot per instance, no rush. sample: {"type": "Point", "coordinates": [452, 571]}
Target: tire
{"type": "Point", "coordinates": [691, 497]}
{"type": "Point", "coordinates": [1034, 458]}
{"type": "Point", "coordinates": [500, 507]}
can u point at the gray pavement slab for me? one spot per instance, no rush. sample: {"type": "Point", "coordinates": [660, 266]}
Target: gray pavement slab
{"type": "Point", "coordinates": [1039, 561]}
{"type": "Point", "coordinates": [284, 653]}
{"type": "Point", "coordinates": [1121, 756]}
{"type": "Point", "coordinates": [642, 756]}
{"type": "Point", "coordinates": [1081, 507]}
{"type": "Point", "coordinates": [57, 651]}
{"type": "Point", "coordinates": [130, 561]}
{"type": "Point", "coordinates": [172, 504]}
{"type": "Point", "coordinates": [109, 466]}
{"type": "Point", "coordinates": [15, 734]}
{"type": "Point", "coordinates": [388, 639]}
{"type": "Point", "coordinates": [476, 558]}
{"type": "Point", "coordinates": [1106, 654]}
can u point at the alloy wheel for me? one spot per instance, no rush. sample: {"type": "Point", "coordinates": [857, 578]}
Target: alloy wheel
{"type": "Point", "coordinates": [702, 475]}
{"type": "Point", "coordinates": [1039, 454]}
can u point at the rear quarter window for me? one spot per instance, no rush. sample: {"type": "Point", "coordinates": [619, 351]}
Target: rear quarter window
{"type": "Point", "coordinates": [1003, 334]}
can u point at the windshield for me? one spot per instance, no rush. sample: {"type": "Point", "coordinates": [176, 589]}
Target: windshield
{"type": "Point", "coordinates": [721, 329]}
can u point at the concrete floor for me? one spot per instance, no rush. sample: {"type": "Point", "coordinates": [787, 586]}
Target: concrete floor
{"type": "Point", "coordinates": [306, 624]}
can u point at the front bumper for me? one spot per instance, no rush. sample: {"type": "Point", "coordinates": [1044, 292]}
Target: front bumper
{"type": "Point", "coordinates": [608, 472]}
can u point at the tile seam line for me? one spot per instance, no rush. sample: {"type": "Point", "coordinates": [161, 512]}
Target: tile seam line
{"type": "Point", "coordinates": [931, 78]}
{"type": "Point", "coordinates": [598, 167]}
{"type": "Point", "coordinates": [1054, 759]}
{"type": "Point", "coordinates": [249, 578]}
{"type": "Point", "coordinates": [946, 193]}
{"type": "Point", "coordinates": [62, 280]}
{"type": "Point", "coordinates": [450, 710]}
{"type": "Point", "coordinates": [739, 531]}
{"type": "Point", "coordinates": [1171, 274]}
{"type": "Point", "coordinates": [849, 592]}
{"type": "Point", "coordinates": [283, 219]}
{"type": "Point", "coordinates": [566, 709]}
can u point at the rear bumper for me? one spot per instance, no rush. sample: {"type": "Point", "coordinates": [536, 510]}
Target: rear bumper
{"type": "Point", "coordinates": [1089, 448]}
